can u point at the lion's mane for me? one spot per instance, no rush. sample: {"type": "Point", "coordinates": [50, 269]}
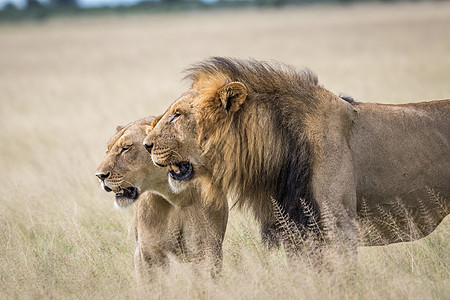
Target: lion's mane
{"type": "Point", "coordinates": [263, 151]}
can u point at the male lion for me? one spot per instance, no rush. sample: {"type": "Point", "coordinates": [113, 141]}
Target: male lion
{"type": "Point", "coordinates": [165, 223]}
{"type": "Point", "coordinates": [265, 131]}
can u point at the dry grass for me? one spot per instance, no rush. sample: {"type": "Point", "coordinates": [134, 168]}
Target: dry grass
{"type": "Point", "coordinates": [66, 84]}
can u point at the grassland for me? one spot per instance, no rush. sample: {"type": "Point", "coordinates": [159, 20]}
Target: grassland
{"type": "Point", "coordinates": [66, 84]}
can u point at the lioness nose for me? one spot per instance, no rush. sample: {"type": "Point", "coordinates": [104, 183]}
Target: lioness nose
{"type": "Point", "coordinates": [103, 176]}
{"type": "Point", "coordinates": [149, 148]}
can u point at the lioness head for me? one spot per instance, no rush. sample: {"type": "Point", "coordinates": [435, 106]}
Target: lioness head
{"type": "Point", "coordinates": [126, 170]}
{"type": "Point", "coordinates": [181, 135]}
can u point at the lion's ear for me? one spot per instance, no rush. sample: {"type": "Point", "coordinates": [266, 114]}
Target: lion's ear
{"type": "Point", "coordinates": [232, 96]}
{"type": "Point", "coordinates": [119, 128]}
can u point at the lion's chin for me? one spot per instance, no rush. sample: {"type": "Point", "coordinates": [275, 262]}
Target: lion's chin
{"type": "Point", "coordinates": [181, 171]}
{"type": "Point", "coordinates": [177, 186]}
{"type": "Point", "coordinates": [126, 197]}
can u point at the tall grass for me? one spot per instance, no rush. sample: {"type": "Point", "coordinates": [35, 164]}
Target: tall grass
{"type": "Point", "coordinates": [66, 84]}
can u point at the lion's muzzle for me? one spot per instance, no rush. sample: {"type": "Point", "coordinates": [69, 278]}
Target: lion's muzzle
{"type": "Point", "coordinates": [179, 169]}
{"type": "Point", "coordinates": [103, 175]}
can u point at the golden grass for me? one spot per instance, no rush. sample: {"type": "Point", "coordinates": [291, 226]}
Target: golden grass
{"type": "Point", "coordinates": [66, 84]}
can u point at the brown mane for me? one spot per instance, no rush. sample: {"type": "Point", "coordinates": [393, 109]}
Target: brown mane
{"type": "Point", "coordinates": [259, 76]}
{"type": "Point", "coordinates": [267, 154]}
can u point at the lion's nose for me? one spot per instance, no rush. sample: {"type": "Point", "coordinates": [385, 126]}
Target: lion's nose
{"type": "Point", "coordinates": [103, 176]}
{"type": "Point", "coordinates": [149, 148]}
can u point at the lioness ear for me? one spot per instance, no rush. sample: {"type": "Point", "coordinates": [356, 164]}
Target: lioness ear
{"type": "Point", "coordinates": [119, 128]}
{"type": "Point", "coordinates": [232, 96]}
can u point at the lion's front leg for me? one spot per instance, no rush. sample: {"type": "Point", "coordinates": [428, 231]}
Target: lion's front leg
{"type": "Point", "coordinates": [334, 189]}
{"type": "Point", "coordinates": [204, 230]}
{"type": "Point", "coordinates": [142, 267]}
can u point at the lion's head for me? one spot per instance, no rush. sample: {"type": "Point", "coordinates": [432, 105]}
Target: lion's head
{"type": "Point", "coordinates": [181, 131]}
{"type": "Point", "coordinates": [126, 170]}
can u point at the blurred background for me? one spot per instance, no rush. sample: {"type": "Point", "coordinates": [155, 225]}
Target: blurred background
{"type": "Point", "coordinates": [71, 71]}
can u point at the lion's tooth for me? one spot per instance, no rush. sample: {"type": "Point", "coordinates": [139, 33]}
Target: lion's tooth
{"type": "Point", "coordinates": [175, 169]}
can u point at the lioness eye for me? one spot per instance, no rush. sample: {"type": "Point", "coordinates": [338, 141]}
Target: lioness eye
{"type": "Point", "coordinates": [174, 117]}
{"type": "Point", "coordinates": [124, 149]}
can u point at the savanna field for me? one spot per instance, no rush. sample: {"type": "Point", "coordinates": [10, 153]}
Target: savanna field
{"type": "Point", "coordinates": [65, 84]}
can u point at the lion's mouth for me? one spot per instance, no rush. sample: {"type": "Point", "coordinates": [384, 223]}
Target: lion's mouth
{"type": "Point", "coordinates": [181, 171]}
{"type": "Point", "coordinates": [129, 193]}
{"type": "Point", "coordinates": [126, 197]}
{"type": "Point", "coordinates": [106, 188]}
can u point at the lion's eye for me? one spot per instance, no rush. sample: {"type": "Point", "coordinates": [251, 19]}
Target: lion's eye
{"type": "Point", "coordinates": [174, 117]}
{"type": "Point", "coordinates": [124, 149]}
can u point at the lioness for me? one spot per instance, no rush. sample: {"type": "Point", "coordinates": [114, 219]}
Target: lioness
{"type": "Point", "coordinates": [165, 223]}
{"type": "Point", "coordinates": [264, 130]}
